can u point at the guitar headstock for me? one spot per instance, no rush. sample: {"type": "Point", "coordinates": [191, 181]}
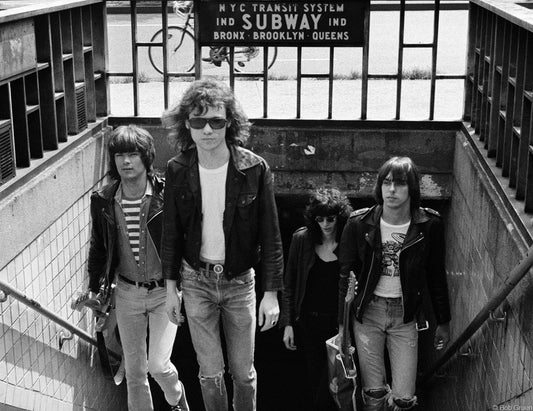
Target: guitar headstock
{"type": "Point", "coordinates": [78, 301]}
{"type": "Point", "coordinates": [352, 287]}
{"type": "Point", "coordinates": [84, 299]}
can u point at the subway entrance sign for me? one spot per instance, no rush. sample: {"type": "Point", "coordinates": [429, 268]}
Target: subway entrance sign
{"type": "Point", "coordinates": [282, 23]}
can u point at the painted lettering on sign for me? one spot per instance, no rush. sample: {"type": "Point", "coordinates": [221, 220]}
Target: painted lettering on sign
{"type": "Point", "coordinates": [334, 23]}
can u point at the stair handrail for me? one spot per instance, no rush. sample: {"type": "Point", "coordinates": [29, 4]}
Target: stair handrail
{"type": "Point", "coordinates": [9, 290]}
{"type": "Point", "coordinates": [503, 291]}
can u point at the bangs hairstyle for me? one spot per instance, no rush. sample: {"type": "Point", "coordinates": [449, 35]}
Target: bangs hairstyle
{"type": "Point", "coordinates": [325, 202]}
{"type": "Point", "coordinates": [128, 139]}
{"type": "Point", "coordinates": [403, 170]}
{"type": "Point", "coordinates": [197, 99]}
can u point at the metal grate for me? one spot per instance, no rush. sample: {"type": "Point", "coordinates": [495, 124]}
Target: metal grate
{"type": "Point", "coordinates": [80, 107]}
{"type": "Point", "coordinates": [7, 161]}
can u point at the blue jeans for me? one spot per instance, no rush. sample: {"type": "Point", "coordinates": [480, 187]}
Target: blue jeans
{"type": "Point", "coordinates": [383, 324]}
{"type": "Point", "coordinates": [138, 309]}
{"type": "Point", "coordinates": [210, 298]}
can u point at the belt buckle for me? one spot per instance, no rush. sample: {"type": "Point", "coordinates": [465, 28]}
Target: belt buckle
{"type": "Point", "coordinates": [218, 268]}
{"type": "Point", "coordinates": [150, 285]}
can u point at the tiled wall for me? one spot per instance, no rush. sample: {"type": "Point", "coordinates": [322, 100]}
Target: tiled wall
{"type": "Point", "coordinates": [34, 373]}
{"type": "Point", "coordinates": [49, 215]}
{"type": "Point", "coordinates": [483, 248]}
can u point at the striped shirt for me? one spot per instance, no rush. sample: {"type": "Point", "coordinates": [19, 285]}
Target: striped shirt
{"type": "Point", "coordinates": [132, 214]}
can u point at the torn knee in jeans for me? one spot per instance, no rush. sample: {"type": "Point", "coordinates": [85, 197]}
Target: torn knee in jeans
{"type": "Point", "coordinates": [212, 381]}
{"type": "Point", "coordinates": [399, 404]}
{"type": "Point", "coordinates": [377, 394]}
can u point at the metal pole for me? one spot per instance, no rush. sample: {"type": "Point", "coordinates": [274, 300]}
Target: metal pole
{"type": "Point", "coordinates": [36, 306]}
{"type": "Point", "coordinates": [505, 289]}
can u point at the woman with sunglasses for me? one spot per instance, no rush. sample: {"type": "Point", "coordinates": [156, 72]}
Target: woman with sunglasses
{"type": "Point", "coordinates": [310, 295]}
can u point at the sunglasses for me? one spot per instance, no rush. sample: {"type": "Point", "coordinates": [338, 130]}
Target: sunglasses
{"type": "Point", "coordinates": [199, 122]}
{"type": "Point", "coordinates": [329, 218]}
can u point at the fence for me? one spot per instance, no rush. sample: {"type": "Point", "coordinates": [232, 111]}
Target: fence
{"type": "Point", "coordinates": [403, 71]}
{"type": "Point", "coordinates": [499, 91]}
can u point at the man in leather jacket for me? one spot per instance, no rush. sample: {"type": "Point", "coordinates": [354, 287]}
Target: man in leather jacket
{"type": "Point", "coordinates": [124, 249]}
{"type": "Point", "coordinates": [220, 221]}
{"type": "Point", "coordinates": [394, 249]}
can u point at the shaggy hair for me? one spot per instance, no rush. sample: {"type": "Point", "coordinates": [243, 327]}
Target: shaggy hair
{"type": "Point", "coordinates": [129, 139]}
{"type": "Point", "coordinates": [403, 170]}
{"type": "Point", "coordinates": [325, 202]}
{"type": "Point", "coordinates": [197, 99]}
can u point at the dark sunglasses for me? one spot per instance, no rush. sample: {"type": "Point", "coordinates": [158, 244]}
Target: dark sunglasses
{"type": "Point", "coordinates": [200, 122]}
{"type": "Point", "coordinates": [329, 218]}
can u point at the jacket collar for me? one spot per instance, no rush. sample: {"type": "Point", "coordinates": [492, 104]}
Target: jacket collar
{"type": "Point", "coordinates": [241, 158]}
{"type": "Point", "coordinates": [373, 215]}
{"type": "Point", "coordinates": [108, 192]}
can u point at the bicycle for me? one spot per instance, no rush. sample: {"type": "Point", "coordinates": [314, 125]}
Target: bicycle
{"type": "Point", "coordinates": [180, 48]}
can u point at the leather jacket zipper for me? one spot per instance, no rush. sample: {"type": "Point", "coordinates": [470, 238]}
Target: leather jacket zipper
{"type": "Point", "coordinates": [155, 215]}
{"type": "Point", "coordinates": [416, 240]}
{"type": "Point", "coordinates": [358, 310]}
{"type": "Point", "coordinates": [419, 238]}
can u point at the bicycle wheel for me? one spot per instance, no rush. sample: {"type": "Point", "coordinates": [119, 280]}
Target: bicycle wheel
{"type": "Point", "coordinates": [180, 50]}
{"type": "Point", "coordinates": [250, 59]}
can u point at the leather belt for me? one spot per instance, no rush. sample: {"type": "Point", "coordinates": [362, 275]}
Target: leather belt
{"type": "Point", "coordinates": [216, 268]}
{"type": "Point", "coordinates": [146, 284]}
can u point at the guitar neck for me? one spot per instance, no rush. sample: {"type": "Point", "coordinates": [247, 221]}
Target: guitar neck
{"type": "Point", "coordinates": [345, 343]}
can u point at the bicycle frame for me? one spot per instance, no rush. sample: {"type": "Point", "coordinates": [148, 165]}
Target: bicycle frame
{"type": "Point", "coordinates": [217, 54]}
{"type": "Point", "coordinates": [186, 25]}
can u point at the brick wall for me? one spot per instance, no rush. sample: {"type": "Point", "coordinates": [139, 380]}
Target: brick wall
{"type": "Point", "coordinates": [484, 245]}
{"type": "Point", "coordinates": [35, 374]}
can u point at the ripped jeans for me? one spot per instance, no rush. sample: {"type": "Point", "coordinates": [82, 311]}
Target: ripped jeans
{"type": "Point", "coordinates": [383, 324]}
{"type": "Point", "coordinates": [210, 298]}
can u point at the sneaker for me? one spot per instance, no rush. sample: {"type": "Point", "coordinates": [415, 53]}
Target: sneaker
{"type": "Point", "coordinates": [182, 403]}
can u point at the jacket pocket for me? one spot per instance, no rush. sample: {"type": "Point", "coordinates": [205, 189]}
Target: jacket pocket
{"type": "Point", "coordinates": [244, 204]}
{"type": "Point", "coordinates": [184, 204]}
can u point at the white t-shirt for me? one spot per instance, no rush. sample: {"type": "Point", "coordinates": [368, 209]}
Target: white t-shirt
{"type": "Point", "coordinates": [213, 187]}
{"type": "Point", "coordinates": [392, 237]}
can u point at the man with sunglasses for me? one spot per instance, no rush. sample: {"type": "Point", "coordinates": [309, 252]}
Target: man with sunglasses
{"type": "Point", "coordinates": [220, 221]}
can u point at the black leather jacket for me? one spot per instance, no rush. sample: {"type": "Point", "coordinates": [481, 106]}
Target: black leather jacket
{"type": "Point", "coordinates": [302, 257]}
{"type": "Point", "coordinates": [251, 228]}
{"type": "Point", "coordinates": [102, 250]}
{"type": "Point", "coordinates": [421, 262]}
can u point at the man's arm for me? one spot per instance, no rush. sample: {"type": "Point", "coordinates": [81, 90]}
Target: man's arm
{"type": "Point", "coordinates": [268, 310]}
{"type": "Point", "coordinates": [173, 302]}
{"type": "Point", "coordinates": [436, 272]}
{"type": "Point", "coordinates": [97, 253]}
{"type": "Point", "coordinates": [442, 336]}
{"type": "Point", "coordinates": [437, 284]}
{"type": "Point", "coordinates": [289, 283]}
{"type": "Point", "coordinates": [171, 246]}
{"type": "Point", "coordinates": [271, 253]}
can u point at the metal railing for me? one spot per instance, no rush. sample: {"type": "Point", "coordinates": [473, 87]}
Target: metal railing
{"type": "Point", "coordinates": [490, 307]}
{"type": "Point", "coordinates": [401, 6]}
{"type": "Point", "coordinates": [499, 90]}
{"type": "Point", "coordinates": [8, 290]}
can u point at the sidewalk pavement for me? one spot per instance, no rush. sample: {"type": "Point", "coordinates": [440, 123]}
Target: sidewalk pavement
{"type": "Point", "coordinates": [415, 100]}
